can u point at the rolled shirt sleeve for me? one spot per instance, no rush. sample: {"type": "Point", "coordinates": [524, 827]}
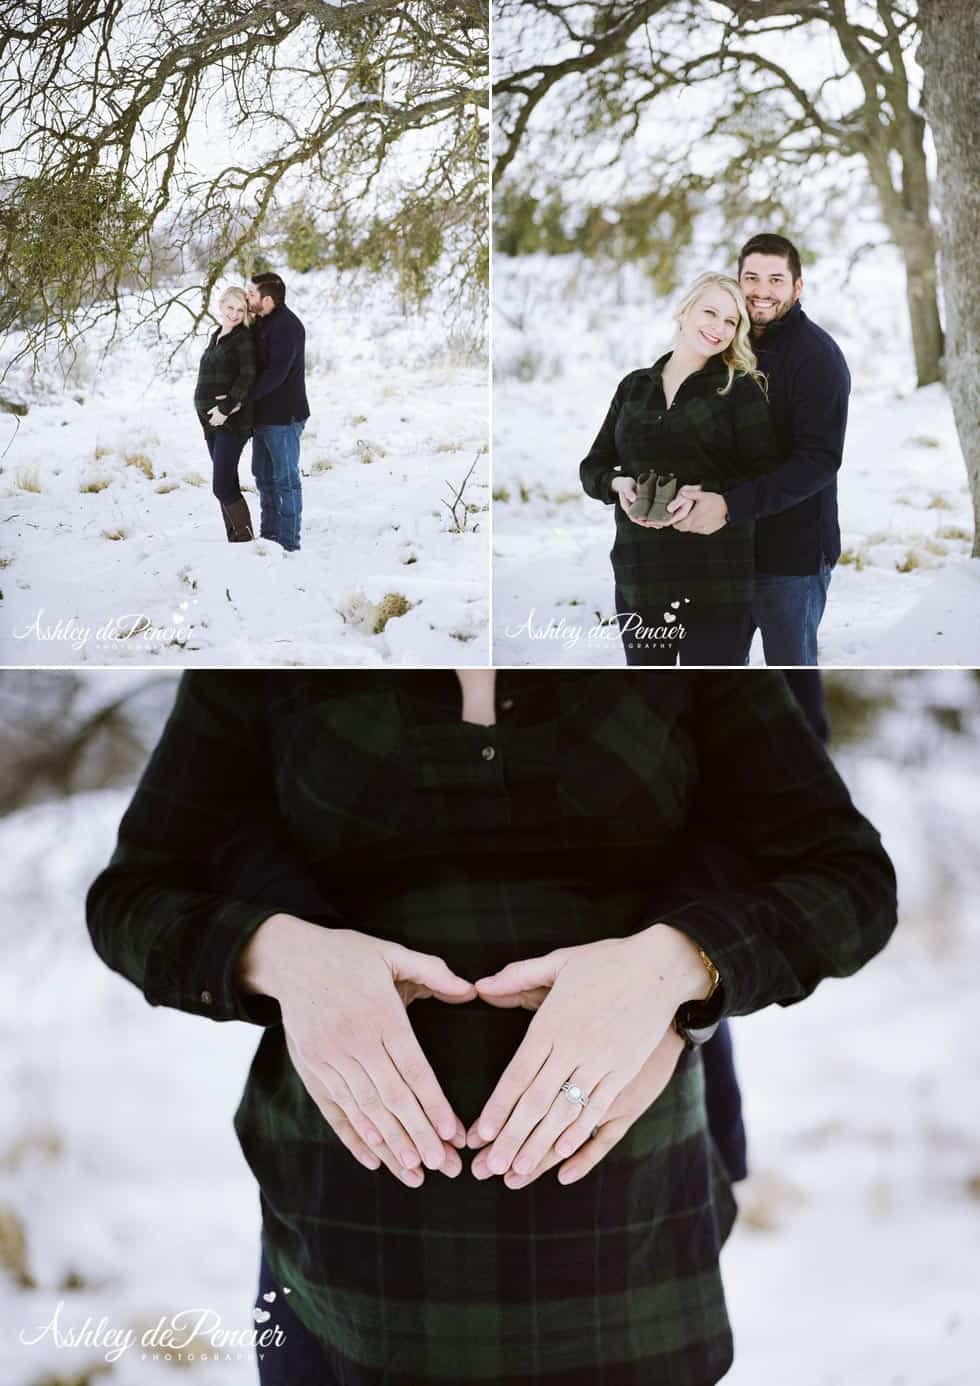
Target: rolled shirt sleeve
{"type": "Point", "coordinates": [151, 912]}
{"type": "Point", "coordinates": [825, 902]}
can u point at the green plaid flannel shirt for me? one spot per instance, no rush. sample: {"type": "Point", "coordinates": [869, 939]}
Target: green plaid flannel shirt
{"type": "Point", "coordinates": [228, 367]}
{"type": "Point", "coordinates": [717, 441]}
{"type": "Point", "coordinates": [563, 835]}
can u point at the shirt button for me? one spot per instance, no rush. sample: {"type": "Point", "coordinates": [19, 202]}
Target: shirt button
{"type": "Point", "coordinates": [206, 998]}
{"type": "Point", "coordinates": [506, 704]}
{"type": "Point", "coordinates": [488, 753]}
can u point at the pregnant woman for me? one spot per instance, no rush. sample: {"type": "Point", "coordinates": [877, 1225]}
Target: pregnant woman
{"type": "Point", "coordinates": [697, 417]}
{"type": "Point", "coordinates": [221, 398]}
{"type": "Point", "coordinates": [500, 971]}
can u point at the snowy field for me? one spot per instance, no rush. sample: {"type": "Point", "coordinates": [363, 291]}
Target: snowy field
{"type": "Point", "coordinates": [112, 547]}
{"type": "Point", "coordinates": [565, 333]}
{"type": "Point", "coordinates": [123, 1195]}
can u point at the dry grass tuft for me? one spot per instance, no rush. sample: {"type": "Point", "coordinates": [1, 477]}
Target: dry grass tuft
{"type": "Point", "coordinates": [28, 479]}
{"type": "Point", "coordinates": [369, 452]}
{"type": "Point", "coordinates": [95, 483]}
{"type": "Point", "coordinates": [141, 462]}
{"type": "Point", "coordinates": [13, 1247]}
{"type": "Point", "coordinates": [392, 604]}
{"type": "Point", "coordinates": [166, 487]}
{"type": "Point", "coordinates": [41, 1141]}
{"type": "Point", "coordinates": [118, 533]}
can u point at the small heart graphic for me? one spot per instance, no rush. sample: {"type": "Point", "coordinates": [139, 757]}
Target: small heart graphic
{"type": "Point", "coordinates": [669, 617]}
{"type": "Point", "coordinates": [675, 605]}
{"type": "Point", "coordinates": [269, 1297]}
{"type": "Point", "coordinates": [286, 1290]}
{"type": "Point", "coordinates": [261, 1315]}
{"type": "Point", "coordinates": [686, 600]}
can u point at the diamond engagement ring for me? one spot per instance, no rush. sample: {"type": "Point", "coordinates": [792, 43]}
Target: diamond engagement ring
{"type": "Point", "coordinates": [574, 1094]}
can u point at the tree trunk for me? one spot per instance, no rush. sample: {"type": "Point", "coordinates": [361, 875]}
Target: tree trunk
{"type": "Point", "coordinates": [919, 255]}
{"type": "Point", "coordinates": [950, 57]}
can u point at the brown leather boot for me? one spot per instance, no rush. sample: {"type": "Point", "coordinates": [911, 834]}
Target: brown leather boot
{"type": "Point", "coordinates": [238, 521]}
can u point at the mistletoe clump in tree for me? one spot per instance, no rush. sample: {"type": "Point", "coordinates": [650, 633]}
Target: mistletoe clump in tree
{"type": "Point", "coordinates": [141, 132]}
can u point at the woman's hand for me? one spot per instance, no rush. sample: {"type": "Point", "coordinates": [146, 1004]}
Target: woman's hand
{"type": "Point", "coordinates": [625, 489]}
{"type": "Point", "coordinates": [602, 1010]}
{"type": "Point", "coordinates": [587, 1150]}
{"type": "Point", "coordinates": [343, 997]}
{"type": "Point", "coordinates": [372, 1157]}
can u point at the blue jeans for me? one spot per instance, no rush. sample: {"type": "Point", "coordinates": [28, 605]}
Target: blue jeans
{"type": "Point", "coordinates": [788, 611]}
{"type": "Point", "coordinates": [275, 466]}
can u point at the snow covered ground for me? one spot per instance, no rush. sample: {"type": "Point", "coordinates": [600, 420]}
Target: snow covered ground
{"type": "Point", "coordinates": [112, 548]}
{"type": "Point", "coordinates": [566, 332]}
{"type": "Point", "coordinates": [854, 1260]}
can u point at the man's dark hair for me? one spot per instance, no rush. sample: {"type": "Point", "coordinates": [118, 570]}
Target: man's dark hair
{"type": "Point", "coordinates": [270, 286]}
{"type": "Point", "coordinates": [767, 244]}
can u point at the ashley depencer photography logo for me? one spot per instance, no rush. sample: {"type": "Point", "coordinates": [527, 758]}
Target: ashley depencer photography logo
{"type": "Point", "coordinates": [187, 1337]}
{"type": "Point", "coordinates": [667, 630]}
{"type": "Point", "coordinates": [133, 626]}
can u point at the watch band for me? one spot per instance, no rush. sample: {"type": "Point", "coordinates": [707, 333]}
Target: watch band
{"type": "Point", "coordinates": [694, 1036]}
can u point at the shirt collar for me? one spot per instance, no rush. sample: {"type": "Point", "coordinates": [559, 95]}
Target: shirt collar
{"type": "Point", "coordinates": [775, 330]}
{"type": "Point", "coordinates": [713, 366]}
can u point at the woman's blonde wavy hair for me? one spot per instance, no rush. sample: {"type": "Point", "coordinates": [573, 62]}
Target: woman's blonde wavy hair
{"type": "Point", "coordinates": [738, 356]}
{"type": "Point", "coordinates": [235, 292]}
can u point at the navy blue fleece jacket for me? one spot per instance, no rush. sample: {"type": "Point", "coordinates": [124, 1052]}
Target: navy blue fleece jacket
{"type": "Point", "coordinates": [795, 506]}
{"type": "Point", "coordinates": [280, 391]}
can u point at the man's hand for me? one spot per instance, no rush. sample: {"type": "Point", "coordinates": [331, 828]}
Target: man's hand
{"type": "Point", "coordinates": [706, 512]}
{"type": "Point", "coordinates": [628, 1107]}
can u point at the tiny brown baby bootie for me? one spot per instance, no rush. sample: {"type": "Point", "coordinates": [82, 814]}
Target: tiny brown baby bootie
{"type": "Point", "coordinates": [646, 488]}
{"type": "Point", "coordinates": [665, 493]}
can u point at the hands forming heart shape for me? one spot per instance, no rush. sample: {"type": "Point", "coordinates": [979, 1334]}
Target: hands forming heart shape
{"type": "Point", "coordinates": [602, 1022]}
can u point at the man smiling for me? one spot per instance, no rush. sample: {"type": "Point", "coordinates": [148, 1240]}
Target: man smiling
{"type": "Point", "coordinates": [795, 507]}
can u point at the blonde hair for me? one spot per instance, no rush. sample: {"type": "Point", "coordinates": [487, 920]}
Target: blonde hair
{"type": "Point", "coordinates": [235, 292]}
{"type": "Point", "coordinates": [738, 356]}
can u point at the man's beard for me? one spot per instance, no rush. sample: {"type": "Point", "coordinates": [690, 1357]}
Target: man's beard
{"type": "Point", "coordinates": [757, 328]}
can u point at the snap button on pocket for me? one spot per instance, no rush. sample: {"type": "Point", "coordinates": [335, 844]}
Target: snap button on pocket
{"type": "Point", "coordinates": [488, 753]}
